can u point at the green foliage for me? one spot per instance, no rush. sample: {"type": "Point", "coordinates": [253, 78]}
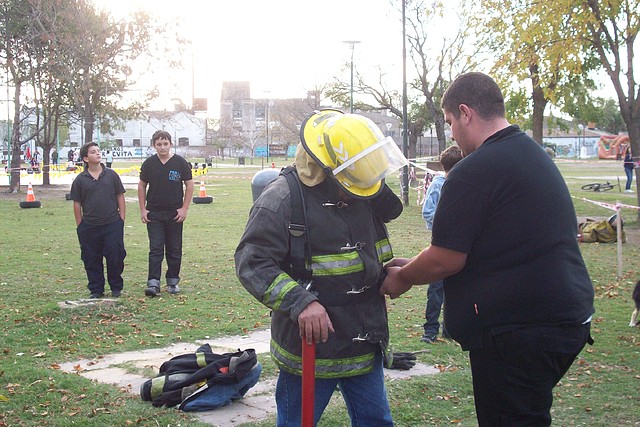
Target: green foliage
{"type": "Point", "coordinates": [518, 108]}
{"type": "Point", "coordinates": [40, 266]}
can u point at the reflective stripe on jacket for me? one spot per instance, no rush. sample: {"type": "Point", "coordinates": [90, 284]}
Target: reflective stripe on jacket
{"type": "Point", "coordinates": [348, 246]}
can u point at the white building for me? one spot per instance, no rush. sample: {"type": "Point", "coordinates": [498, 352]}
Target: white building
{"type": "Point", "coordinates": [186, 130]}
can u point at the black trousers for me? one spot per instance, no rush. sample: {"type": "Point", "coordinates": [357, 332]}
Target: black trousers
{"type": "Point", "coordinates": [98, 242]}
{"type": "Point", "coordinates": [515, 372]}
{"type": "Point", "coordinates": [165, 237]}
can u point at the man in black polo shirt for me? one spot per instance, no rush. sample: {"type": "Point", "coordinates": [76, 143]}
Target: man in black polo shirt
{"type": "Point", "coordinates": [99, 209]}
{"type": "Point", "coordinates": [519, 297]}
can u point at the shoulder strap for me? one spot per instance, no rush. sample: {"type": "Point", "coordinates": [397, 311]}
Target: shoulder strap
{"type": "Point", "coordinates": [299, 246]}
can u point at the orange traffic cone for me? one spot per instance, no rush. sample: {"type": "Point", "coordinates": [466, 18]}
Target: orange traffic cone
{"type": "Point", "coordinates": [202, 196]}
{"type": "Point", "coordinates": [30, 196]}
{"type": "Point", "coordinates": [203, 190]}
{"type": "Point", "coordinates": [30, 201]}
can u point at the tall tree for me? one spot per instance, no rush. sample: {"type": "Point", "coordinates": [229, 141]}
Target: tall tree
{"type": "Point", "coordinates": [16, 44]}
{"type": "Point", "coordinates": [100, 52]}
{"type": "Point", "coordinates": [531, 45]}
{"type": "Point", "coordinates": [610, 28]}
{"type": "Point", "coordinates": [436, 62]}
{"type": "Point", "coordinates": [436, 57]}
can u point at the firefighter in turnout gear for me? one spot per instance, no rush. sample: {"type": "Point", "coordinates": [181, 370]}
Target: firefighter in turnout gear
{"type": "Point", "coordinates": [326, 289]}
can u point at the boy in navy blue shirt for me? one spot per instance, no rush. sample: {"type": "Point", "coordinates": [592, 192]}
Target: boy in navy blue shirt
{"type": "Point", "coordinates": [99, 210]}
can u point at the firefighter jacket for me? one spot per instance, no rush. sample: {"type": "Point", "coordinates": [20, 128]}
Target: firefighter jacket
{"type": "Point", "coordinates": [349, 244]}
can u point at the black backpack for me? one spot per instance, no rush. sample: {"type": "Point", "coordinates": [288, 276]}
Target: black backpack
{"type": "Point", "coordinates": [386, 205]}
{"type": "Point", "coordinates": [202, 380]}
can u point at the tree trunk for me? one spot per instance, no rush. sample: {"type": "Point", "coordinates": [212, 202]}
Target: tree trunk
{"type": "Point", "coordinates": [634, 140]}
{"type": "Point", "coordinates": [442, 138]}
{"type": "Point", "coordinates": [46, 163]}
{"type": "Point", "coordinates": [539, 105]}
{"type": "Point", "coordinates": [14, 187]}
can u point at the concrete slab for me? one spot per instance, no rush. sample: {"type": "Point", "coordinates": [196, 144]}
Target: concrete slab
{"type": "Point", "coordinates": [84, 302]}
{"type": "Point", "coordinates": [259, 402]}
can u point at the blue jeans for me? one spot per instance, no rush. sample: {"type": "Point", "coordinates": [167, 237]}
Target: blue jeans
{"type": "Point", "coordinates": [98, 242]}
{"type": "Point", "coordinates": [629, 173]}
{"type": "Point", "coordinates": [165, 236]}
{"type": "Point", "coordinates": [221, 394]}
{"type": "Point", "coordinates": [435, 298]}
{"type": "Point", "coordinates": [365, 397]}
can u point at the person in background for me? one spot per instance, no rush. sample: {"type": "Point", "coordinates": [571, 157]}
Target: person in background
{"type": "Point", "coordinates": [99, 210]}
{"type": "Point", "coordinates": [165, 191]}
{"type": "Point", "coordinates": [518, 294]}
{"type": "Point", "coordinates": [336, 304]}
{"type": "Point", "coordinates": [54, 158]}
{"type": "Point", "coordinates": [109, 158]}
{"type": "Point", "coordinates": [435, 293]}
{"type": "Point", "coordinates": [628, 168]}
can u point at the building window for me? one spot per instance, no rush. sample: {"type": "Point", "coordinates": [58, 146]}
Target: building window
{"type": "Point", "coordinates": [259, 114]}
{"type": "Point", "coordinates": [237, 114]}
{"type": "Point", "coordinates": [136, 142]}
{"type": "Point", "coordinates": [183, 141]}
{"type": "Point", "coordinates": [118, 142]}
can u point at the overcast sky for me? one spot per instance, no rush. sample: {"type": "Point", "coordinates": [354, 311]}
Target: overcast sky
{"type": "Point", "coordinates": [283, 47]}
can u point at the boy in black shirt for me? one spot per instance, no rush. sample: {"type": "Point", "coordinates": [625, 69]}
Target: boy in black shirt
{"type": "Point", "coordinates": [99, 209]}
{"type": "Point", "coordinates": [164, 209]}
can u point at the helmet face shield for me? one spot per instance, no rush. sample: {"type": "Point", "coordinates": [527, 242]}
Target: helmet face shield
{"type": "Point", "coordinates": [352, 149]}
{"type": "Point", "coordinates": [369, 167]}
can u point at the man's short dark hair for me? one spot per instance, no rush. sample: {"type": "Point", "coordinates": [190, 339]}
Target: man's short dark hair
{"type": "Point", "coordinates": [450, 156]}
{"type": "Point", "coordinates": [476, 90]}
{"type": "Point", "coordinates": [84, 150]}
{"type": "Point", "coordinates": [160, 134]}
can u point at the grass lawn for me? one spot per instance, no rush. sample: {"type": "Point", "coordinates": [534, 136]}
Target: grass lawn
{"type": "Point", "coordinates": [40, 265]}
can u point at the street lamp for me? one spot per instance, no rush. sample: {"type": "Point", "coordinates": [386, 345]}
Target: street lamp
{"type": "Point", "coordinates": [351, 43]}
{"type": "Point", "coordinates": [267, 125]}
{"type": "Point", "coordinates": [431, 141]}
{"type": "Point", "coordinates": [581, 127]}
{"type": "Point", "coordinates": [140, 123]}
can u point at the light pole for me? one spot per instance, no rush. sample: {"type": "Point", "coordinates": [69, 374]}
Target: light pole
{"type": "Point", "coordinates": [140, 123]}
{"type": "Point", "coordinates": [581, 127]}
{"type": "Point", "coordinates": [430, 140]}
{"type": "Point", "coordinates": [405, 118]}
{"type": "Point", "coordinates": [351, 43]}
{"type": "Point", "coordinates": [267, 125]}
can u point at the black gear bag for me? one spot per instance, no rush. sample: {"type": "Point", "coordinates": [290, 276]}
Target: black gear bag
{"type": "Point", "coordinates": [203, 380]}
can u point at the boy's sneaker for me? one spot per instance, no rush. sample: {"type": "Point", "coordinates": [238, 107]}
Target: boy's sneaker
{"type": "Point", "coordinates": [428, 338]}
{"type": "Point", "coordinates": [116, 294]}
{"type": "Point", "coordinates": [173, 289]}
{"type": "Point", "coordinates": [152, 291]}
{"type": "Point", "coordinates": [96, 295]}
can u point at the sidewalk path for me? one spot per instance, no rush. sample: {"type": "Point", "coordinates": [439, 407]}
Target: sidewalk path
{"type": "Point", "coordinates": [258, 404]}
